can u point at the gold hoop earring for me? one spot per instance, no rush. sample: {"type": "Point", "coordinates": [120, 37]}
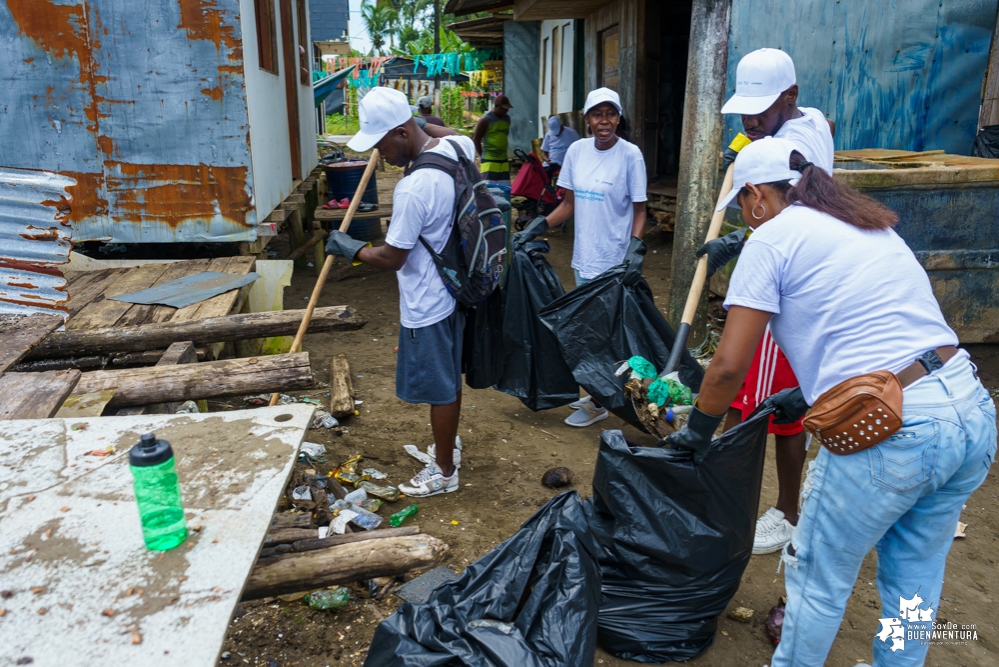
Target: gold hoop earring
{"type": "Point", "coordinates": [760, 216]}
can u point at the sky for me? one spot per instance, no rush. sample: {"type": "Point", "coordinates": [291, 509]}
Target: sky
{"type": "Point", "coordinates": [358, 35]}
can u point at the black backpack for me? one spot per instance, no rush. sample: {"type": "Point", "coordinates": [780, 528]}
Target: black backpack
{"type": "Point", "coordinates": [471, 264]}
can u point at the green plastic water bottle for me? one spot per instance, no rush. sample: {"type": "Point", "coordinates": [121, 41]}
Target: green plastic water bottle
{"type": "Point", "coordinates": [403, 514]}
{"type": "Point", "coordinates": [157, 493]}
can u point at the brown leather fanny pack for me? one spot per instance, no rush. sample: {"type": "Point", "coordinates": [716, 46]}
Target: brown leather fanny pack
{"type": "Point", "coordinates": [865, 410]}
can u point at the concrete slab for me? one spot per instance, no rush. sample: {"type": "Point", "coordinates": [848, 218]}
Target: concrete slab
{"type": "Point", "coordinates": [85, 590]}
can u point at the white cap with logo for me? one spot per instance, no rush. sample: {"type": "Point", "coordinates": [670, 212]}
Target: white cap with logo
{"type": "Point", "coordinates": [599, 96]}
{"type": "Point", "coordinates": [766, 160]}
{"type": "Point", "coordinates": [760, 78]}
{"type": "Point", "coordinates": [380, 111]}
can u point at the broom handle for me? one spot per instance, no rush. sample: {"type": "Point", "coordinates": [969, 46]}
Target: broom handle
{"type": "Point", "coordinates": [328, 264]}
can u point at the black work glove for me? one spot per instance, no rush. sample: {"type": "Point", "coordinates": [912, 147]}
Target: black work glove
{"type": "Point", "coordinates": [790, 404]}
{"type": "Point", "coordinates": [342, 244]}
{"type": "Point", "coordinates": [633, 261]}
{"type": "Point", "coordinates": [723, 250]}
{"type": "Point", "coordinates": [534, 229]}
{"type": "Point", "coordinates": [728, 157]}
{"type": "Point", "coordinates": [696, 434]}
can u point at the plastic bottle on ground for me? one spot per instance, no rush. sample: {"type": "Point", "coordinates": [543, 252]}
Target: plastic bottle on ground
{"type": "Point", "coordinates": [157, 493]}
{"type": "Point", "coordinates": [403, 514]}
{"type": "Point", "coordinates": [328, 599]}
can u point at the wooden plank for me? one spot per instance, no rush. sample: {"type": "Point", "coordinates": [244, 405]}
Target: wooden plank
{"type": "Point", "coordinates": [177, 353]}
{"type": "Point", "coordinates": [143, 313]}
{"type": "Point", "coordinates": [160, 313]}
{"type": "Point", "coordinates": [21, 333]}
{"type": "Point", "coordinates": [84, 291]}
{"type": "Point", "coordinates": [296, 236]}
{"type": "Point", "coordinates": [107, 312]}
{"type": "Point", "coordinates": [35, 395]}
{"type": "Point", "coordinates": [85, 405]}
{"type": "Point", "coordinates": [210, 379]}
{"type": "Point", "coordinates": [341, 387]}
{"type": "Point", "coordinates": [168, 609]}
{"type": "Point", "coordinates": [223, 304]}
{"type": "Point", "coordinates": [277, 215]}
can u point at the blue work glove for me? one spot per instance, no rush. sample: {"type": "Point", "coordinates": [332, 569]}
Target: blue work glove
{"type": "Point", "coordinates": [633, 261]}
{"type": "Point", "coordinates": [534, 229]}
{"type": "Point", "coordinates": [342, 244]}
{"type": "Point", "coordinates": [723, 250]}
{"type": "Point", "coordinates": [696, 434]}
{"type": "Point", "coordinates": [790, 404]}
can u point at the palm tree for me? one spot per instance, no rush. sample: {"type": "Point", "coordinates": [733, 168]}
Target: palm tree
{"type": "Point", "coordinates": [379, 18]}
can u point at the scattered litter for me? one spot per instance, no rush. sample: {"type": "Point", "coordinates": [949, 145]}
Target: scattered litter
{"type": "Point", "coordinates": [361, 518]}
{"type": "Point", "coordinates": [225, 655]}
{"type": "Point", "coordinates": [959, 531]}
{"type": "Point", "coordinates": [775, 620]}
{"type": "Point", "coordinates": [302, 493]}
{"type": "Point", "coordinates": [78, 427]}
{"type": "Point", "coordinates": [741, 614]}
{"type": "Point", "coordinates": [340, 521]}
{"type": "Point", "coordinates": [356, 403]}
{"type": "Point", "coordinates": [312, 451]}
{"type": "Point", "coordinates": [418, 590]}
{"type": "Point", "coordinates": [328, 599]}
{"type": "Point", "coordinates": [110, 450]}
{"type": "Point", "coordinates": [371, 504]}
{"type": "Point", "coordinates": [323, 531]}
{"type": "Point", "coordinates": [357, 496]}
{"type": "Point", "coordinates": [265, 399]}
{"type": "Point", "coordinates": [389, 493]}
{"type": "Point", "coordinates": [188, 408]}
{"type": "Point", "coordinates": [556, 478]}
{"type": "Point", "coordinates": [403, 514]}
{"type": "Point", "coordinates": [454, 522]}
{"type": "Point", "coordinates": [323, 419]}
{"type": "Point", "coordinates": [311, 401]}
{"type": "Point", "coordinates": [374, 474]}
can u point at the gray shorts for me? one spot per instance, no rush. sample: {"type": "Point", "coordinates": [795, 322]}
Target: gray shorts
{"type": "Point", "coordinates": [428, 369]}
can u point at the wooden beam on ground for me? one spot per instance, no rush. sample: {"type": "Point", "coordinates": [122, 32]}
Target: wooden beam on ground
{"type": "Point", "coordinates": [178, 353]}
{"type": "Point", "coordinates": [20, 333]}
{"type": "Point", "coordinates": [200, 331]}
{"type": "Point", "coordinates": [35, 395]}
{"type": "Point", "coordinates": [288, 535]}
{"type": "Point", "coordinates": [92, 361]}
{"type": "Point", "coordinates": [335, 540]}
{"type": "Point", "coordinates": [346, 563]}
{"type": "Point", "coordinates": [211, 379]}
{"type": "Point", "coordinates": [341, 387]}
{"type": "Point", "coordinates": [289, 520]}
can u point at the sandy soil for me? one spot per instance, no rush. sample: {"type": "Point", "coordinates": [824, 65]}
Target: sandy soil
{"type": "Point", "coordinates": [507, 449]}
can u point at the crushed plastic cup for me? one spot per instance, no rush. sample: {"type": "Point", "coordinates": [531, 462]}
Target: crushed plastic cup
{"type": "Point", "coordinates": [302, 493]}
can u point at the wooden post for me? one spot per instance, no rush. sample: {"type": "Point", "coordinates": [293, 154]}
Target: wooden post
{"type": "Point", "coordinates": [341, 387]}
{"type": "Point", "coordinates": [700, 148]}
{"type": "Point", "coordinates": [296, 235]}
{"type": "Point", "coordinates": [318, 250]}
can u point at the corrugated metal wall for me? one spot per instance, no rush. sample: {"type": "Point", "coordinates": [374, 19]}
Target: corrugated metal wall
{"type": "Point", "coordinates": [143, 103]}
{"type": "Point", "coordinates": [902, 74]}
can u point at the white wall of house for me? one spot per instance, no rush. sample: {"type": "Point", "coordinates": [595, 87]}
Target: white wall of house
{"type": "Point", "coordinates": [558, 41]}
{"type": "Point", "coordinates": [306, 106]}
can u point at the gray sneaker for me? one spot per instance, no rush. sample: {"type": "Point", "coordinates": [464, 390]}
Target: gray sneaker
{"type": "Point", "coordinates": [587, 414]}
{"type": "Point", "coordinates": [575, 405]}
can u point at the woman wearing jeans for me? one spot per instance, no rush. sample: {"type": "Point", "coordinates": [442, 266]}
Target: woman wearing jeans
{"type": "Point", "coordinates": [844, 297]}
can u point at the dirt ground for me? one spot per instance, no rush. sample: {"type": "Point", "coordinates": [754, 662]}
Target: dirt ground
{"type": "Point", "coordinates": [507, 448]}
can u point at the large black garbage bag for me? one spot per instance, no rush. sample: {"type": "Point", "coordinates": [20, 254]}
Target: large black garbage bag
{"type": "Point", "coordinates": [604, 323]}
{"type": "Point", "coordinates": [676, 537]}
{"type": "Point", "coordinates": [530, 602]}
{"type": "Point", "coordinates": [986, 142]}
{"type": "Point", "coordinates": [534, 370]}
{"type": "Point", "coordinates": [482, 347]}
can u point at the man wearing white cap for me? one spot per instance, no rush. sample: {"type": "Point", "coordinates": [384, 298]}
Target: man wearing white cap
{"type": "Point", "coordinates": [604, 179]}
{"type": "Point", "coordinates": [428, 368]}
{"type": "Point", "coordinates": [766, 96]}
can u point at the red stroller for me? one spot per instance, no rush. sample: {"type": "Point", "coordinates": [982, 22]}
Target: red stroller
{"type": "Point", "coordinates": [533, 183]}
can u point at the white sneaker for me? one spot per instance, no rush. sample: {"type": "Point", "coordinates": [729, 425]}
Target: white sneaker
{"type": "Point", "coordinates": [575, 405]}
{"type": "Point", "coordinates": [772, 532]}
{"type": "Point", "coordinates": [429, 482]}
{"type": "Point", "coordinates": [586, 415]}
{"type": "Point", "coordinates": [431, 455]}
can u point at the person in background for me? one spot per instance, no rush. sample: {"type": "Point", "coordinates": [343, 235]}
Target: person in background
{"type": "Point", "coordinates": [491, 140]}
{"type": "Point", "coordinates": [766, 96]}
{"type": "Point", "coordinates": [557, 140]}
{"type": "Point", "coordinates": [845, 297]}
{"type": "Point", "coordinates": [428, 368]}
{"type": "Point", "coordinates": [604, 179]}
{"type": "Point", "coordinates": [425, 107]}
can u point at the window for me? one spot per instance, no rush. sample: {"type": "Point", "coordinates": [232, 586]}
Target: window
{"type": "Point", "coordinates": [544, 63]}
{"type": "Point", "coordinates": [266, 35]}
{"type": "Point", "coordinates": [303, 44]}
{"type": "Point", "coordinates": [610, 46]}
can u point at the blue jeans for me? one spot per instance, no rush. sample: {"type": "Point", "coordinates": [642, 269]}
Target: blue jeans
{"type": "Point", "coordinates": [904, 497]}
{"type": "Point", "coordinates": [580, 280]}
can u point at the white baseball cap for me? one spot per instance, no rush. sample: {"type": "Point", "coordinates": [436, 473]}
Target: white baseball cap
{"type": "Point", "coordinates": [599, 96]}
{"type": "Point", "coordinates": [760, 78]}
{"type": "Point", "coordinates": [380, 111]}
{"type": "Point", "coordinates": [766, 160]}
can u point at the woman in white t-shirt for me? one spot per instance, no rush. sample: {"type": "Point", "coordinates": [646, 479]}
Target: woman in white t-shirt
{"type": "Point", "coordinates": [845, 297]}
{"type": "Point", "coordinates": [604, 180]}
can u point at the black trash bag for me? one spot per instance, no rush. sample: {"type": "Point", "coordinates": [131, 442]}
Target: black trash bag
{"type": "Point", "coordinates": [676, 538]}
{"type": "Point", "coordinates": [530, 602]}
{"type": "Point", "coordinates": [534, 370]}
{"type": "Point", "coordinates": [986, 142]}
{"type": "Point", "coordinates": [482, 347]}
{"type": "Point", "coordinates": [604, 323]}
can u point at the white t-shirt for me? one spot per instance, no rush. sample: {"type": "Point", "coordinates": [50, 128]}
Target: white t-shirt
{"type": "Point", "coordinates": [845, 301]}
{"type": "Point", "coordinates": [423, 205]}
{"type": "Point", "coordinates": [557, 145]}
{"type": "Point", "coordinates": [605, 185]}
{"type": "Point", "coordinates": [812, 136]}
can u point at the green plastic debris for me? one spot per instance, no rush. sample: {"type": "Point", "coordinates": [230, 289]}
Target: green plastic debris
{"type": "Point", "coordinates": [667, 391]}
{"type": "Point", "coordinates": [642, 367]}
{"type": "Point", "coordinates": [328, 599]}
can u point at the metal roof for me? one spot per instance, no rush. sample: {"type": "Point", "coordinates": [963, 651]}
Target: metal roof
{"type": "Point", "coordinates": [35, 238]}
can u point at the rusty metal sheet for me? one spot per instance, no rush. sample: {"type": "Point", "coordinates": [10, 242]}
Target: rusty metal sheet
{"type": "Point", "coordinates": [142, 103]}
{"type": "Point", "coordinates": [35, 239]}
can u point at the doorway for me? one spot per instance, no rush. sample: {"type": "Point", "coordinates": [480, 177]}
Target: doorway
{"type": "Point", "coordinates": [288, 47]}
